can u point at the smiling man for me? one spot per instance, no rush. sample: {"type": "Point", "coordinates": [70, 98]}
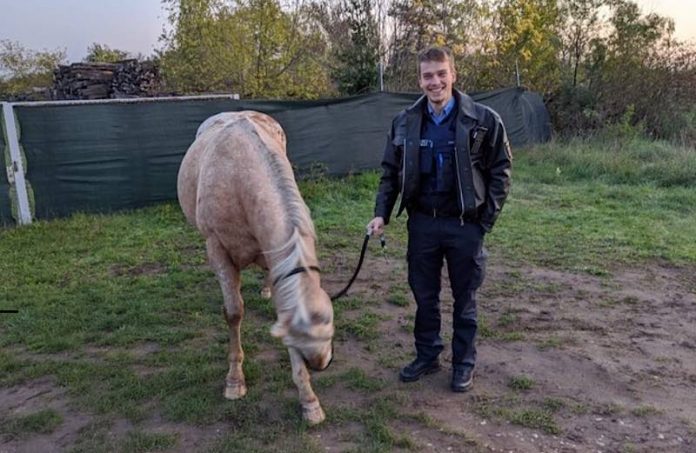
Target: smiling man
{"type": "Point", "coordinates": [450, 160]}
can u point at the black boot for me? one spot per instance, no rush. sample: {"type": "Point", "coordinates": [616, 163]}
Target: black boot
{"type": "Point", "coordinates": [462, 378]}
{"type": "Point", "coordinates": [414, 370]}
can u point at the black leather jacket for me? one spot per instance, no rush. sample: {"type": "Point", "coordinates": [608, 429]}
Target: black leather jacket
{"type": "Point", "coordinates": [483, 178]}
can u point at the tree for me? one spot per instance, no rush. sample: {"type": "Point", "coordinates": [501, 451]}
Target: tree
{"type": "Point", "coordinates": [635, 35]}
{"type": "Point", "coordinates": [633, 73]}
{"type": "Point", "coordinates": [634, 67]}
{"type": "Point", "coordinates": [358, 57]}
{"type": "Point", "coordinates": [418, 24]}
{"type": "Point", "coordinates": [101, 53]}
{"type": "Point", "coordinates": [527, 42]}
{"type": "Point", "coordinates": [252, 47]}
{"type": "Point", "coordinates": [190, 46]}
{"type": "Point", "coordinates": [580, 25]}
{"type": "Point", "coordinates": [23, 69]}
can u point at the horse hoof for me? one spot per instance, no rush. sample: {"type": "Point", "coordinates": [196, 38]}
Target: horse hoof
{"type": "Point", "coordinates": [266, 292]}
{"type": "Point", "coordinates": [313, 415]}
{"type": "Point", "coordinates": [235, 390]}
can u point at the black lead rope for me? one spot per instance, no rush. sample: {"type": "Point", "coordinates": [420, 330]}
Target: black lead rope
{"type": "Point", "coordinates": [357, 269]}
{"type": "Point", "coordinates": [343, 292]}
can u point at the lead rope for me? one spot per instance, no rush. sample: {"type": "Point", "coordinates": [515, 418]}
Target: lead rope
{"type": "Point", "coordinates": [360, 262]}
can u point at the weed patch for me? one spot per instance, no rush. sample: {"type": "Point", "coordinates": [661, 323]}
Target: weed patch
{"type": "Point", "coordinates": [521, 383]}
{"type": "Point", "coordinates": [141, 442]}
{"type": "Point", "coordinates": [41, 422]}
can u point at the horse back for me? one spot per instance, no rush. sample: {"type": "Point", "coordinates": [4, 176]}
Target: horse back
{"type": "Point", "coordinates": [226, 184]}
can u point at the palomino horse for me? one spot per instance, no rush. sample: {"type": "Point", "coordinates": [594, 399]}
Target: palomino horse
{"type": "Point", "coordinates": [237, 188]}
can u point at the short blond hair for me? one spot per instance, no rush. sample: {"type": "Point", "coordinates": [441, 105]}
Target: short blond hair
{"type": "Point", "coordinates": [436, 53]}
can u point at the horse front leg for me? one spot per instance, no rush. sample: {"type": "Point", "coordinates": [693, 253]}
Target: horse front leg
{"type": "Point", "coordinates": [311, 409]}
{"type": "Point", "coordinates": [233, 308]}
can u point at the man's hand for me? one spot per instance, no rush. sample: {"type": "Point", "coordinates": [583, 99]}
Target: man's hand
{"type": "Point", "coordinates": [376, 226]}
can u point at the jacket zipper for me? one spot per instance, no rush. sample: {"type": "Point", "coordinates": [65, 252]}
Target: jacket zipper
{"type": "Point", "coordinates": [459, 183]}
{"type": "Point", "coordinates": [403, 171]}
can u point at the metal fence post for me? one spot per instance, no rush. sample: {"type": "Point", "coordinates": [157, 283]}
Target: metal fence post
{"type": "Point", "coordinates": [15, 168]}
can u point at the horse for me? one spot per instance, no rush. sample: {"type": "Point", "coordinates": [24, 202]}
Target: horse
{"type": "Point", "coordinates": [236, 186]}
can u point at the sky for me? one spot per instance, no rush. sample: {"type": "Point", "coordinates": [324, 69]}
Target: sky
{"type": "Point", "coordinates": [135, 25]}
{"type": "Point", "coordinates": [73, 25]}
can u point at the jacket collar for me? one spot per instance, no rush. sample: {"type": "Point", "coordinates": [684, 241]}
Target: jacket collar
{"type": "Point", "coordinates": [465, 105]}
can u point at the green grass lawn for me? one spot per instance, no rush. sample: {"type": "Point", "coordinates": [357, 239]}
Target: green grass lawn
{"type": "Point", "coordinates": [125, 315]}
{"type": "Point", "coordinates": [588, 206]}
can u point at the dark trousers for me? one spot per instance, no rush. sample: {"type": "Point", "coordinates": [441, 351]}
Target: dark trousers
{"type": "Point", "coordinates": [430, 240]}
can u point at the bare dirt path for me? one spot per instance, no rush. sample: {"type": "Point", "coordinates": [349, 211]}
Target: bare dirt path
{"type": "Point", "coordinates": [611, 359]}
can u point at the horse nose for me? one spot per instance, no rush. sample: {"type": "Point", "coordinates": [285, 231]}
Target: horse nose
{"type": "Point", "coordinates": [315, 365]}
{"type": "Point", "coordinates": [331, 359]}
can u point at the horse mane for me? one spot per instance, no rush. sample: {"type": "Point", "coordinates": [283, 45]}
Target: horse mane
{"type": "Point", "coordinates": [288, 292]}
{"type": "Point", "coordinates": [297, 211]}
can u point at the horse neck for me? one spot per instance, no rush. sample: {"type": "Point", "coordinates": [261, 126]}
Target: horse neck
{"type": "Point", "coordinates": [291, 234]}
{"type": "Point", "coordinates": [290, 251]}
{"type": "Point", "coordinates": [289, 293]}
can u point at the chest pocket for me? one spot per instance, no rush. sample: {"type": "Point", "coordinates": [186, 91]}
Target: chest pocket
{"type": "Point", "coordinates": [437, 165]}
{"type": "Point", "coordinates": [444, 167]}
{"type": "Point", "coordinates": [476, 153]}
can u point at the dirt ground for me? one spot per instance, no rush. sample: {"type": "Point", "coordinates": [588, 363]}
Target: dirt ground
{"type": "Point", "coordinates": [618, 351]}
{"type": "Point", "coordinates": [612, 357]}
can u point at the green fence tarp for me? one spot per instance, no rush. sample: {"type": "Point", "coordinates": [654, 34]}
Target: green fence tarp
{"type": "Point", "coordinates": [523, 112]}
{"type": "Point", "coordinates": [105, 157]}
{"type": "Point", "coordinates": [112, 156]}
{"type": "Point", "coordinates": [5, 204]}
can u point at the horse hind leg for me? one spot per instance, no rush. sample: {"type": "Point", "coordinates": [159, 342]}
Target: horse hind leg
{"type": "Point", "coordinates": [233, 308]}
{"type": "Point", "coordinates": [266, 290]}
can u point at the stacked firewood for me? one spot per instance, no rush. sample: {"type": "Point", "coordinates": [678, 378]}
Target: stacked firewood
{"type": "Point", "coordinates": [83, 81]}
{"type": "Point", "coordinates": [128, 78]}
{"type": "Point", "coordinates": [135, 78]}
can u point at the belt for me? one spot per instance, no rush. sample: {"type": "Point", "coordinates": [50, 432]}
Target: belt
{"type": "Point", "coordinates": [434, 212]}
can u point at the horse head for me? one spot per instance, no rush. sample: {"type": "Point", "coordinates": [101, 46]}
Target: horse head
{"type": "Point", "coordinates": [310, 329]}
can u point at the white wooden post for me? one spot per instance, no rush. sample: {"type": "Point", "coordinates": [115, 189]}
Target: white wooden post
{"type": "Point", "coordinates": [15, 168]}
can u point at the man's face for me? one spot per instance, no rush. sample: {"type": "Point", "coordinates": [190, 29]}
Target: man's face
{"type": "Point", "coordinates": [436, 79]}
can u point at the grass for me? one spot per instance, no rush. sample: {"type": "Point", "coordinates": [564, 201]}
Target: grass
{"type": "Point", "coordinates": [363, 326]}
{"type": "Point", "coordinates": [533, 418]}
{"type": "Point", "coordinates": [123, 313]}
{"type": "Point", "coordinates": [512, 409]}
{"type": "Point", "coordinates": [498, 331]}
{"type": "Point", "coordinates": [377, 418]}
{"type": "Point", "coordinates": [521, 383]}
{"type": "Point", "coordinates": [645, 411]}
{"type": "Point", "coordinates": [41, 422]}
{"type": "Point", "coordinates": [608, 409]}
{"type": "Point", "coordinates": [140, 441]}
{"type": "Point", "coordinates": [606, 205]}
{"type": "Point", "coordinates": [553, 404]}
{"type": "Point", "coordinates": [399, 296]}
{"type": "Point", "coordinates": [357, 379]}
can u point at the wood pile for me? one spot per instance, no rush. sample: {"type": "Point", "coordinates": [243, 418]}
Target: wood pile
{"type": "Point", "coordinates": [83, 81]}
{"type": "Point", "coordinates": [135, 78]}
{"type": "Point", "coordinates": [128, 78]}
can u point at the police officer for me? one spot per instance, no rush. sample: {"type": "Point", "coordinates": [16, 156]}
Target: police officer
{"type": "Point", "coordinates": [450, 160]}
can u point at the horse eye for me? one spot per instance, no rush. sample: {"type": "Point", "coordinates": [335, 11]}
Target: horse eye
{"type": "Point", "coordinates": [319, 318]}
